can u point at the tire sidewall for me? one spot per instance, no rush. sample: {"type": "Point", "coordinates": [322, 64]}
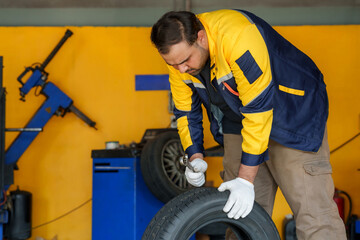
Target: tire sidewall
{"type": "Point", "coordinates": [189, 212]}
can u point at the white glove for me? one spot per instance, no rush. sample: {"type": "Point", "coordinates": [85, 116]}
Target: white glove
{"type": "Point", "coordinates": [197, 178]}
{"type": "Point", "coordinates": [241, 198]}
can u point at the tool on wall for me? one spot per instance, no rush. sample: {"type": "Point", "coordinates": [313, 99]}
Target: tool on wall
{"type": "Point", "coordinates": [56, 103]}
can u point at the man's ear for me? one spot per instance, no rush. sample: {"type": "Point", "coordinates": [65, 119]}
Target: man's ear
{"type": "Point", "coordinates": [202, 38]}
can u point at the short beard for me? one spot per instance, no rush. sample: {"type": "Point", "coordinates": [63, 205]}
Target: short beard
{"type": "Point", "coordinates": [204, 58]}
{"type": "Point", "coordinates": [194, 72]}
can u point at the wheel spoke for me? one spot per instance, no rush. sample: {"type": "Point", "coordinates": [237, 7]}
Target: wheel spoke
{"type": "Point", "coordinates": [169, 168]}
{"type": "Point", "coordinates": [177, 177]}
{"type": "Point", "coordinates": [168, 155]}
{"type": "Point", "coordinates": [185, 181]}
{"type": "Point", "coordinates": [169, 161]}
{"type": "Point", "coordinates": [180, 182]}
{"type": "Point", "coordinates": [179, 148]}
{"type": "Point", "coordinates": [171, 152]}
{"type": "Point", "coordinates": [173, 173]}
{"type": "Point", "coordinates": [172, 149]}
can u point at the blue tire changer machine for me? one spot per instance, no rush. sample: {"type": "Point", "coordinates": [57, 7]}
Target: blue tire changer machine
{"type": "Point", "coordinates": [15, 209]}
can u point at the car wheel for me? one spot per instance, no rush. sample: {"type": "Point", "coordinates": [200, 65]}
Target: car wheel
{"type": "Point", "coordinates": [161, 168]}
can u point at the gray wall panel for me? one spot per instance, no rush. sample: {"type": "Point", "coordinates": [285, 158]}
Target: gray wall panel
{"type": "Point", "coordinates": [148, 16]}
{"type": "Point", "coordinates": [80, 16]}
{"type": "Point", "coordinates": [170, 3]}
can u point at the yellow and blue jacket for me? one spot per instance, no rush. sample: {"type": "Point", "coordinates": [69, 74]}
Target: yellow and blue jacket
{"type": "Point", "coordinates": [277, 90]}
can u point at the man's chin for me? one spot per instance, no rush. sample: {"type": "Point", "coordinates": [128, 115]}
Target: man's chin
{"type": "Point", "coordinates": [194, 72]}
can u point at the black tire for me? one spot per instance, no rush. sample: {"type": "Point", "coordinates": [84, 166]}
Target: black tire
{"type": "Point", "coordinates": [160, 166]}
{"type": "Point", "coordinates": [184, 215]}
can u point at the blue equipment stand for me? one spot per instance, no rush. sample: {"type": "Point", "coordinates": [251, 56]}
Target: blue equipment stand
{"type": "Point", "coordinates": [122, 205]}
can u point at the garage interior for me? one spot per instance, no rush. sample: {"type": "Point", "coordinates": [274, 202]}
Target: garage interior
{"type": "Point", "coordinates": [115, 77]}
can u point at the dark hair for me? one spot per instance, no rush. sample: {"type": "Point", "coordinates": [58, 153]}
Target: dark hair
{"type": "Point", "coordinates": [174, 27]}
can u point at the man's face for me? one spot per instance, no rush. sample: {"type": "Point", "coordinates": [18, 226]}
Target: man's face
{"type": "Point", "coordinates": [187, 58]}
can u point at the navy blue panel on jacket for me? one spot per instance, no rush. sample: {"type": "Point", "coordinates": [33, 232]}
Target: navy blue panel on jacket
{"type": "Point", "coordinates": [300, 99]}
{"type": "Point", "coordinates": [249, 67]}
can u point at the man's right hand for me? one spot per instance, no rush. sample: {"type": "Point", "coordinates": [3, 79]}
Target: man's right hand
{"type": "Point", "coordinates": [196, 178]}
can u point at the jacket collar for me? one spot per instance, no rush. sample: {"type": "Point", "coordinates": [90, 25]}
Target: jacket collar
{"type": "Point", "coordinates": [211, 43]}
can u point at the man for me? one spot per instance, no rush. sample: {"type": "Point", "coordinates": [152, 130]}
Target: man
{"type": "Point", "coordinates": [267, 105]}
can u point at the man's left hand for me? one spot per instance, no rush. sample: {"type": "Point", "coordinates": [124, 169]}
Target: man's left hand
{"type": "Point", "coordinates": [241, 198]}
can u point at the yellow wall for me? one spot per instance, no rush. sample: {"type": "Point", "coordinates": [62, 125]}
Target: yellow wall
{"type": "Point", "coordinates": [97, 66]}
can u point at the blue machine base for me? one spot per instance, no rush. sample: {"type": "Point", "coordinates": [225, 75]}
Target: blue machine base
{"type": "Point", "coordinates": [122, 204]}
{"type": "Point", "coordinates": [357, 227]}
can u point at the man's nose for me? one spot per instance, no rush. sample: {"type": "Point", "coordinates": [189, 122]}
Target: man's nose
{"type": "Point", "coordinates": [183, 68]}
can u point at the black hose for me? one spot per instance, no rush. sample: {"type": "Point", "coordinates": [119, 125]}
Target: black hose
{"type": "Point", "coordinates": [342, 145]}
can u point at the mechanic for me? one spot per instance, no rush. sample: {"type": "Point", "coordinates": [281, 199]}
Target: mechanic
{"type": "Point", "coordinates": [267, 105]}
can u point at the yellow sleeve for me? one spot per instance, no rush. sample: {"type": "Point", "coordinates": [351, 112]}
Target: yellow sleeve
{"type": "Point", "coordinates": [249, 62]}
{"type": "Point", "coordinates": [188, 112]}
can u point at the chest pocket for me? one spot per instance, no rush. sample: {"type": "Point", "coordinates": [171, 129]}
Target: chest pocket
{"type": "Point", "coordinates": [250, 68]}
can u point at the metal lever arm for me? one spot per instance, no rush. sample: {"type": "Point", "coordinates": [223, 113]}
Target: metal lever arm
{"type": "Point", "coordinates": [82, 116]}
{"type": "Point", "coordinates": [68, 33]}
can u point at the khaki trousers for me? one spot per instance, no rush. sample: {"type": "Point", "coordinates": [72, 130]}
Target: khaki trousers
{"type": "Point", "coordinates": [305, 180]}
